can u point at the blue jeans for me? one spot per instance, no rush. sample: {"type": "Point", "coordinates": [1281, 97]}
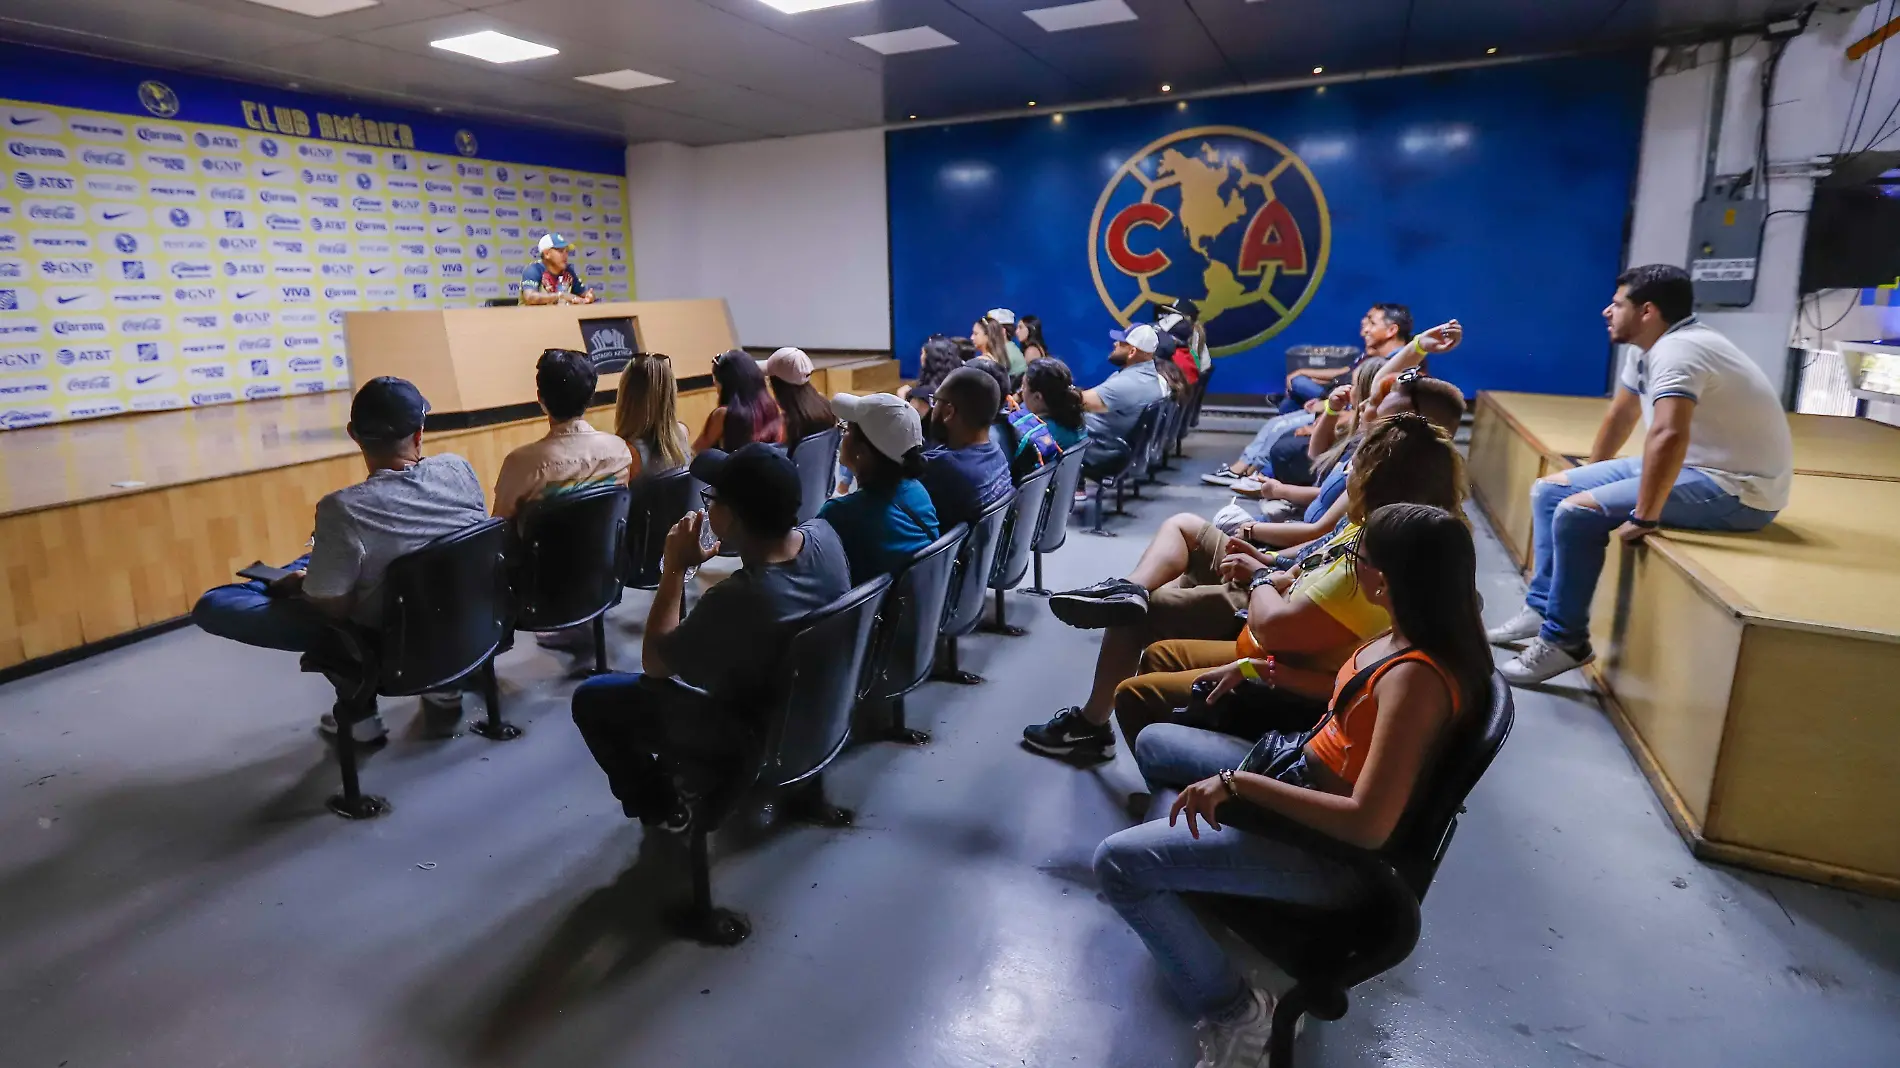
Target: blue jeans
{"type": "Point", "coordinates": [1144, 870]}
{"type": "Point", "coordinates": [647, 741]}
{"type": "Point", "coordinates": [1302, 389]}
{"type": "Point", "coordinates": [1568, 541]}
{"type": "Point", "coordinates": [1257, 451]}
{"type": "Point", "coordinates": [243, 612]}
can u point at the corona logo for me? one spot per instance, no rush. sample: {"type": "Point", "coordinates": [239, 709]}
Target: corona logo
{"type": "Point", "coordinates": [1223, 215]}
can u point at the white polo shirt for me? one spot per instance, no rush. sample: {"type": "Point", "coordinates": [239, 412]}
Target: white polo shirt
{"type": "Point", "coordinates": [1738, 435]}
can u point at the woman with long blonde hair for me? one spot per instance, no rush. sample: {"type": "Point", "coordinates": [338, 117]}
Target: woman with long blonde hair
{"type": "Point", "coordinates": [645, 415]}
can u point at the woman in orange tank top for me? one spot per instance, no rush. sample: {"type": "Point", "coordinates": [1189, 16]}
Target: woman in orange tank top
{"type": "Point", "coordinates": [1394, 701]}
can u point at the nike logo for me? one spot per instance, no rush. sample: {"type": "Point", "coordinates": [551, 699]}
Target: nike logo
{"type": "Point", "coordinates": [434, 166]}
{"type": "Point", "coordinates": [142, 379]}
{"type": "Point", "coordinates": [69, 300]}
{"type": "Point", "coordinates": [444, 229]}
{"type": "Point", "coordinates": [18, 121]}
{"type": "Point", "coordinates": [246, 294]}
{"type": "Point", "coordinates": [377, 270]}
{"type": "Point", "coordinates": [268, 173]}
{"type": "Point", "coordinates": [117, 214]}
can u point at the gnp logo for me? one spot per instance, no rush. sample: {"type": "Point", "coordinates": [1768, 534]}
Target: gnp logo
{"type": "Point", "coordinates": [1223, 215]}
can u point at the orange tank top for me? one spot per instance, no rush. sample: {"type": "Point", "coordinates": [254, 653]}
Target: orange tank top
{"type": "Point", "coordinates": [1345, 740]}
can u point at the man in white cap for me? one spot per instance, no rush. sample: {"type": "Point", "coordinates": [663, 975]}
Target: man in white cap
{"type": "Point", "coordinates": [890, 516]}
{"type": "Point", "coordinates": [1111, 409]}
{"type": "Point", "coordinates": [551, 279]}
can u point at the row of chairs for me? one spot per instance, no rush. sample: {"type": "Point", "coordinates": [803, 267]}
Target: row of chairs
{"type": "Point", "coordinates": [1157, 437]}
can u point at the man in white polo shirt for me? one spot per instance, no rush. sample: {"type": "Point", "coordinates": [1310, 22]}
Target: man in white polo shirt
{"type": "Point", "coordinates": [1717, 456]}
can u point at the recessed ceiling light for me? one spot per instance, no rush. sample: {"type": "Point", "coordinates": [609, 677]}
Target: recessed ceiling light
{"type": "Point", "coordinates": [896, 42]}
{"type": "Point", "coordinates": [1492, 51]}
{"type": "Point", "coordinates": [793, 7]}
{"type": "Point", "coordinates": [623, 79]}
{"type": "Point", "coordinates": [1180, 105]}
{"type": "Point", "coordinates": [317, 9]}
{"type": "Point", "coordinates": [1058, 116]}
{"type": "Point", "coordinates": [1076, 16]}
{"type": "Point", "coordinates": [1319, 70]}
{"type": "Point", "coordinates": [913, 116]}
{"type": "Point", "coordinates": [1032, 103]}
{"type": "Point", "coordinates": [495, 47]}
{"type": "Point", "coordinates": [1166, 88]}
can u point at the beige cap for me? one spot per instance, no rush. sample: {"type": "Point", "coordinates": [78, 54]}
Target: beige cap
{"type": "Point", "coordinates": [789, 365]}
{"type": "Point", "coordinates": [892, 425]}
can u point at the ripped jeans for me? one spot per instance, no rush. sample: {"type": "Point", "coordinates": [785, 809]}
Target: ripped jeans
{"type": "Point", "coordinates": [1568, 541]}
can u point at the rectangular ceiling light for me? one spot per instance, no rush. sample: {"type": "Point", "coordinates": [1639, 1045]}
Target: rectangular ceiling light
{"type": "Point", "coordinates": [1076, 16]}
{"type": "Point", "coordinates": [915, 39]}
{"type": "Point", "coordinates": [317, 9]}
{"type": "Point", "coordinates": [495, 47]}
{"type": "Point", "coordinates": [624, 79]}
{"type": "Point", "coordinates": [793, 7]}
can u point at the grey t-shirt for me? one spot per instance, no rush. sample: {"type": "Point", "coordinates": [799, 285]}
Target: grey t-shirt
{"type": "Point", "coordinates": [1126, 393]}
{"type": "Point", "coordinates": [731, 639]}
{"type": "Point", "coordinates": [361, 528]}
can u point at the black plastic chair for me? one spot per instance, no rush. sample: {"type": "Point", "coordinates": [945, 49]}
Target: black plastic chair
{"type": "Point", "coordinates": [807, 723]}
{"type": "Point", "coordinates": [1192, 417]}
{"type": "Point", "coordinates": [566, 562]}
{"type": "Point", "coordinates": [1018, 542]}
{"type": "Point", "coordinates": [655, 504]}
{"type": "Point", "coordinates": [1158, 444]}
{"type": "Point", "coordinates": [1129, 474]}
{"type": "Point", "coordinates": [964, 608]}
{"type": "Point", "coordinates": [1329, 951]}
{"type": "Point", "coordinates": [816, 457]}
{"type": "Point", "coordinates": [1052, 530]}
{"type": "Point", "coordinates": [445, 614]}
{"type": "Point", "coordinates": [904, 648]}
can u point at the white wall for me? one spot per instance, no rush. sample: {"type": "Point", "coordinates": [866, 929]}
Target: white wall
{"type": "Point", "coordinates": [1814, 88]}
{"type": "Point", "coordinates": [791, 231]}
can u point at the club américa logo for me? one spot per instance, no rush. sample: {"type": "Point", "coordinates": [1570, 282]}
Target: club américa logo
{"type": "Point", "coordinates": [1224, 215]}
{"type": "Point", "coordinates": [158, 98]}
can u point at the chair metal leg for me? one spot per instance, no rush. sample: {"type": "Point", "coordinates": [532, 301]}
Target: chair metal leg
{"type": "Point", "coordinates": [1121, 489]}
{"type": "Point", "coordinates": [947, 670]}
{"type": "Point", "coordinates": [1000, 626]}
{"type": "Point", "coordinates": [1036, 589]}
{"type": "Point", "coordinates": [1286, 1022]}
{"type": "Point", "coordinates": [806, 803]}
{"type": "Point", "coordinates": [700, 920]}
{"type": "Point", "coordinates": [899, 733]}
{"type": "Point", "coordinates": [1098, 530]}
{"type": "Point", "coordinates": [352, 803]}
{"type": "Point", "coordinates": [600, 644]}
{"type": "Point", "coordinates": [494, 728]}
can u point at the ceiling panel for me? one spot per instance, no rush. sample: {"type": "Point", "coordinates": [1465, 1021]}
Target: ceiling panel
{"type": "Point", "coordinates": [744, 70]}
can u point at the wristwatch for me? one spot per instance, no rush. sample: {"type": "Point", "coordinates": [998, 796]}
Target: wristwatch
{"type": "Point", "coordinates": [1227, 780]}
{"type": "Point", "coordinates": [1646, 524]}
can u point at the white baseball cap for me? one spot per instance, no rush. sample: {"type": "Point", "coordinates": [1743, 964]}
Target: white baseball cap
{"type": "Point", "coordinates": [890, 423]}
{"type": "Point", "coordinates": [789, 365]}
{"type": "Point", "coordinates": [549, 241]}
{"type": "Point", "coordinates": [1142, 337]}
{"type": "Point", "coordinates": [1002, 315]}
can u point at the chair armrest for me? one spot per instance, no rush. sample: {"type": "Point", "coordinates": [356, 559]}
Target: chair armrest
{"type": "Point", "coordinates": [667, 686]}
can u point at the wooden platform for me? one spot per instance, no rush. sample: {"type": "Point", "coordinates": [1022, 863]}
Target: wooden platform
{"type": "Point", "coordinates": [1751, 674]}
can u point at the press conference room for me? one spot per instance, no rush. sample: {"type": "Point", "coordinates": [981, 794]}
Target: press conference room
{"type": "Point", "coordinates": [822, 533]}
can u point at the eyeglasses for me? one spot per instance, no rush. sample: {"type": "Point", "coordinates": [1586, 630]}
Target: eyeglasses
{"type": "Point", "coordinates": [1409, 376]}
{"type": "Point", "coordinates": [707, 496]}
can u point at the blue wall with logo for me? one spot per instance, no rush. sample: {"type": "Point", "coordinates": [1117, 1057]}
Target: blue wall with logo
{"type": "Point", "coordinates": [1495, 195]}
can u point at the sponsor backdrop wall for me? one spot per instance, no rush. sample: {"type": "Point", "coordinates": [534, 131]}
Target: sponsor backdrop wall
{"type": "Point", "coordinates": [171, 240]}
{"type": "Point", "coordinates": [1496, 195]}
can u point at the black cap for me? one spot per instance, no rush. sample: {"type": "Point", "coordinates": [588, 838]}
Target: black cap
{"type": "Point", "coordinates": [759, 484]}
{"type": "Point", "coordinates": [387, 409]}
{"type": "Point", "coordinates": [1188, 308]}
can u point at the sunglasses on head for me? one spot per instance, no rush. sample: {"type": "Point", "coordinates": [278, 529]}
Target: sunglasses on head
{"type": "Point", "coordinates": [1408, 376]}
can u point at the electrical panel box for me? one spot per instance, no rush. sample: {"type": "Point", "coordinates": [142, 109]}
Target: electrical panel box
{"type": "Point", "coordinates": [1724, 249]}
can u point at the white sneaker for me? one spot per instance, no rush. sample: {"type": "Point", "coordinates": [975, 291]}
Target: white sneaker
{"type": "Point", "coordinates": [1525, 624]}
{"type": "Point", "coordinates": [1240, 1044]}
{"type": "Point", "coordinates": [365, 731]}
{"type": "Point", "coordinates": [1542, 661]}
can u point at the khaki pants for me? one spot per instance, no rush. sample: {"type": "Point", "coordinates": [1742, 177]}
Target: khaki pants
{"type": "Point", "coordinates": [1199, 604]}
{"type": "Point", "coordinates": [1168, 670]}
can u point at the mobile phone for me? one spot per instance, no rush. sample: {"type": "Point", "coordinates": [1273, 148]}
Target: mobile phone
{"type": "Point", "coordinates": [260, 571]}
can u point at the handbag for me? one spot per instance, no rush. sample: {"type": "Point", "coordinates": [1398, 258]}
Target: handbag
{"type": "Point", "coordinates": [1277, 753]}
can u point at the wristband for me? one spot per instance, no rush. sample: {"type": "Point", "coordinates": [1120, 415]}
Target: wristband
{"type": "Point", "coordinates": [1328, 409]}
{"type": "Point", "coordinates": [1227, 781]}
{"type": "Point", "coordinates": [1646, 524]}
{"type": "Point", "coordinates": [1248, 671]}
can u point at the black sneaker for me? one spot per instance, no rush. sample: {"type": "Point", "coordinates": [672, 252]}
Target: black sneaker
{"type": "Point", "coordinates": [1068, 732]}
{"type": "Point", "coordinates": [1109, 603]}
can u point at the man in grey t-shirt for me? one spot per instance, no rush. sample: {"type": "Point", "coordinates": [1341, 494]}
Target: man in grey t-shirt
{"type": "Point", "coordinates": [405, 503]}
{"type": "Point", "coordinates": [1111, 409]}
{"type": "Point", "coordinates": [647, 740]}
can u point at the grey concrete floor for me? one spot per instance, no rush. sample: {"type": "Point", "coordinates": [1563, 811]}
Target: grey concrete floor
{"type": "Point", "coordinates": [172, 892]}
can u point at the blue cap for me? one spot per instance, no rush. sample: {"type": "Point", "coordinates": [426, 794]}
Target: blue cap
{"type": "Point", "coordinates": [387, 409]}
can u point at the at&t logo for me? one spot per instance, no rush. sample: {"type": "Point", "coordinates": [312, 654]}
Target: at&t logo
{"type": "Point", "coordinates": [1223, 215]}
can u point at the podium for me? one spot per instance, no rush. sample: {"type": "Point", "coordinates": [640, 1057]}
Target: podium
{"type": "Point", "coordinates": [476, 365]}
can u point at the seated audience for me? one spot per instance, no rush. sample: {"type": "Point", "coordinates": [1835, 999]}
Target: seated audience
{"type": "Point", "coordinates": [1384, 329]}
{"type": "Point", "coordinates": [406, 502]}
{"type": "Point", "coordinates": [1017, 431]}
{"type": "Point", "coordinates": [1395, 702]}
{"type": "Point", "coordinates": [804, 410]}
{"type": "Point", "coordinates": [889, 517]}
{"type": "Point", "coordinates": [573, 455]}
{"type": "Point", "coordinates": [746, 411]}
{"type": "Point", "coordinates": [1049, 391]}
{"type": "Point", "coordinates": [1354, 401]}
{"type": "Point", "coordinates": [991, 341]}
{"type": "Point", "coordinates": [660, 752]}
{"type": "Point", "coordinates": [1112, 408]}
{"type": "Point", "coordinates": [939, 357]}
{"type": "Point", "coordinates": [1010, 354]}
{"type": "Point", "coordinates": [1029, 339]}
{"type": "Point", "coordinates": [644, 413]}
{"type": "Point", "coordinates": [1310, 618]}
{"type": "Point", "coordinates": [1717, 455]}
{"type": "Point", "coordinates": [965, 473]}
